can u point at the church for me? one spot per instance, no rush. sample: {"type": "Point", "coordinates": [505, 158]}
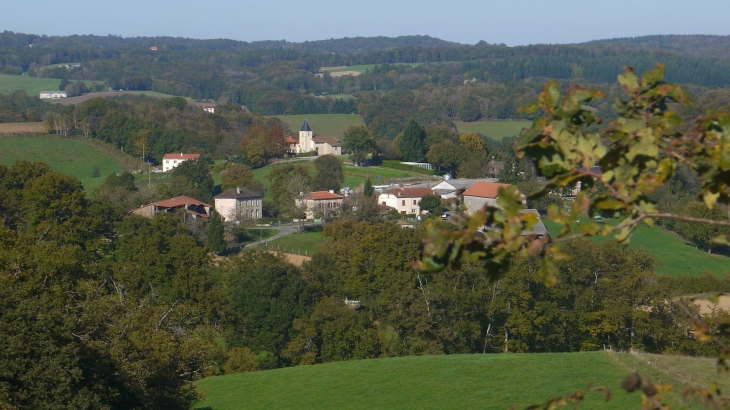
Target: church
{"type": "Point", "coordinates": [308, 142]}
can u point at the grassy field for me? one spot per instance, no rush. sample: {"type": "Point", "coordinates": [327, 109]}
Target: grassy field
{"type": "Point", "coordinates": [323, 124]}
{"type": "Point", "coordinates": [71, 157]}
{"type": "Point", "coordinates": [361, 68]}
{"type": "Point", "coordinates": [305, 244]}
{"type": "Point", "coordinates": [493, 129]}
{"type": "Point", "coordinates": [31, 85]}
{"type": "Point", "coordinates": [673, 255]}
{"type": "Point", "coordinates": [495, 381]}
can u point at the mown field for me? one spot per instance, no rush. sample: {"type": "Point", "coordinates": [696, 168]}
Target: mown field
{"type": "Point", "coordinates": [73, 157]}
{"type": "Point", "coordinates": [304, 244]}
{"type": "Point", "coordinates": [361, 68]}
{"type": "Point", "coordinates": [31, 85]}
{"type": "Point", "coordinates": [495, 381]}
{"type": "Point", "coordinates": [493, 129]}
{"type": "Point", "coordinates": [22, 127]}
{"type": "Point", "coordinates": [673, 255]}
{"type": "Point", "coordinates": [322, 124]}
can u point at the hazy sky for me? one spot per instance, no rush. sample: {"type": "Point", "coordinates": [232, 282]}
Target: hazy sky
{"type": "Point", "coordinates": [513, 22]}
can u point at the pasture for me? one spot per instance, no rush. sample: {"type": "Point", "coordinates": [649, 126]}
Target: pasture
{"type": "Point", "coordinates": [31, 85]}
{"type": "Point", "coordinates": [323, 124]}
{"type": "Point", "coordinates": [494, 381]}
{"type": "Point", "coordinates": [305, 243]}
{"type": "Point", "coordinates": [493, 129]}
{"type": "Point", "coordinates": [360, 68]}
{"type": "Point", "coordinates": [673, 255]}
{"type": "Point", "coordinates": [73, 157]}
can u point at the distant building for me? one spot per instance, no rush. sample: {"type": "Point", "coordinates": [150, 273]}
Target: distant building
{"type": "Point", "coordinates": [153, 48]}
{"type": "Point", "coordinates": [326, 203]}
{"type": "Point", "coordinates": [238, 204]}
{"type": "Point", "coordinates": [406, 200]}
{"type": "Point", "coordinates": [170, 161]}
{"type": "Point", "coordinates": [453, 188]}
{"type": "Point", "coordinates": [192, 206]}
{"type": "Point", "coordinates": [483, 194]}
{"type": "Point", "coordinates": [321, 145]}
{"type": "Point", "coordinates": [53, 94]}
{"type": "Point", "coordinates": [494, 168]}
{"type": "Point", "coordinates": [209, 109]}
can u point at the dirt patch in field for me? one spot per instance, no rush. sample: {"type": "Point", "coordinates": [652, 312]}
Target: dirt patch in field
{"type": "Point", "coordinates": [341, 74]}
{"type": "Point", "coordinates": [293, 258]}
{"type": "Point", "coordinates": [21, 127]}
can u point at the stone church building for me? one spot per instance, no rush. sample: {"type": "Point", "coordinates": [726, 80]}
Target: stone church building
{"type": "Point", "coordinates": [308, 142]}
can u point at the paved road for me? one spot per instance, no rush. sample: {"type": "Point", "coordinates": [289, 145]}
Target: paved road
{"type": "Point", "coordinates": [284, 230]}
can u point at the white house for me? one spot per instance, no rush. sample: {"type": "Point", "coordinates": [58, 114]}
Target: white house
{"type": "Point", "coordinates": [406, 200]}
{"type": "Point", "coordinates": [308, 142]}
{"type": "Point", "coordinates": [326, 203]}
{"type": "Point", "coordinates": [170, 161]}
{"type": "Point", "coordinates": [53, 94]}
{"type": "Point", "coordinates": [481, 194]}
{"type": "Point", "coordinates": [238, 204]}
{"type": "Point", "coordinates": [209, 109]}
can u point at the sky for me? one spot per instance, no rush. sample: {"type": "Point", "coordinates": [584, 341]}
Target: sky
{"type": "Point", "coordinates": [515, 22]}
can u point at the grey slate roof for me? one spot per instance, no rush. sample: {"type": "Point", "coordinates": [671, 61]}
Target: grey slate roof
{"type": "Point", "coordinates": [334, 142]}
{"type": "Point", "coordinates": [305, 126]}
{"type": "Point", "coordinates": [239, 193]}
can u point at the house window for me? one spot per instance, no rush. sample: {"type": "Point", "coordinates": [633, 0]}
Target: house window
{"type": "Point", "coordinates": [403, 202]}
{"type": "Point", "coordinates": [414, 202]}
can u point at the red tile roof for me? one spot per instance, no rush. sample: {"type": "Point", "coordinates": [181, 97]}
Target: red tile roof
{"type": "Point", "coordinates": [484, 189]}
{"type": "Point", "coordinates": [320, 195]}
{"type": "Point", "coordinates": [405, 192]}
{"type": "Point", "coordinates": [290, 140]}
{"type": "Point", "coordinates": [181, 156]}
{"type": "Point", "coordinates": [179, 201]}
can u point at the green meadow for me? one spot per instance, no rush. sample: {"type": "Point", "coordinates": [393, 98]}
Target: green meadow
{"type": "Point", "coordinates": [323, 124]}
{"type": "Point", "coordinates": [493, 381]}
{"type": "Point", "coordinates": [73, 157]}
{"type": "Point", "coordinates": [31, 85]}
{"type": "Point", "coordinates": [493, 129]}
{"type": "Point", "coordinates": [362, 68]}
{"type": "Point", "coordinates": [673, 255]}
{"type": "Point", "coordinates": [304, 244]}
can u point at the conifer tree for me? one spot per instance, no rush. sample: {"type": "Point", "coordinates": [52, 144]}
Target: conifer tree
{"type": "Point", "coordinates": [215, 233]}
{"type": "Point", "coordinates": [412, 143]}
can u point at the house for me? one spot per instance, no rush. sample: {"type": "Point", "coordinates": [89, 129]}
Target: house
{"type": "Point", "coordinates": [494, 168]}
{"type": "Point", "coordinates": [322, 145]}
{"type": "Point", "coordinates": [53, 94]}
{"type": "Point", "coordinates": [453, 188]}
{"type": "Point", "coordinates": [292, 144]}
{"type": "Point", "coordinates": [406, 200]}
{"type": "Point", "coordinates": [192, 206]}
{"type": "Point", "coordinates": [153, 48]}
{"type": "Point", "coordinates": [209, 109]}
{"type": "Point", "coordinates": [481, 194]}
{"type": "Point", "coordinates": [170, 161]}
{"type": "Point", "coordinates": [237, 204]}
{"type": "Point", "coordinates": [326, 203]}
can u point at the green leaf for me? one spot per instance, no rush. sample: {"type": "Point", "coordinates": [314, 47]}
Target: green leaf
{"type": "Point", "coordinates": [548, 273]}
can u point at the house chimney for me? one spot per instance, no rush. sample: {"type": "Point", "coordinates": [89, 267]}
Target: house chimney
{"type": "Point", "coordinates": [181, 154]}
{"type": "Point", "coordinates": [238, 190]}
{"type": "Point", "coordinates": [332, 191]}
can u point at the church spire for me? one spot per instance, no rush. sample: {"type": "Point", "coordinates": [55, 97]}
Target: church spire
{"type": "Point", "coordinates": [305, 126]}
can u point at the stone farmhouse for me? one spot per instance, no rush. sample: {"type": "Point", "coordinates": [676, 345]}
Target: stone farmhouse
{"type": "Point", "coordinates": [483, 193]}
{"type": "Point", "coordinates": [406, 200]}
{"type": "Point", "coordinates": [191, 206]}
{"type": "Point", "coordinates": [325, 203]}
{"type": "Point", "coordinates": [309, 143]}
{"type": "Point", "coordinates": [170, 161]}
{"type": "Point", "coordinates": [237, 204]}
